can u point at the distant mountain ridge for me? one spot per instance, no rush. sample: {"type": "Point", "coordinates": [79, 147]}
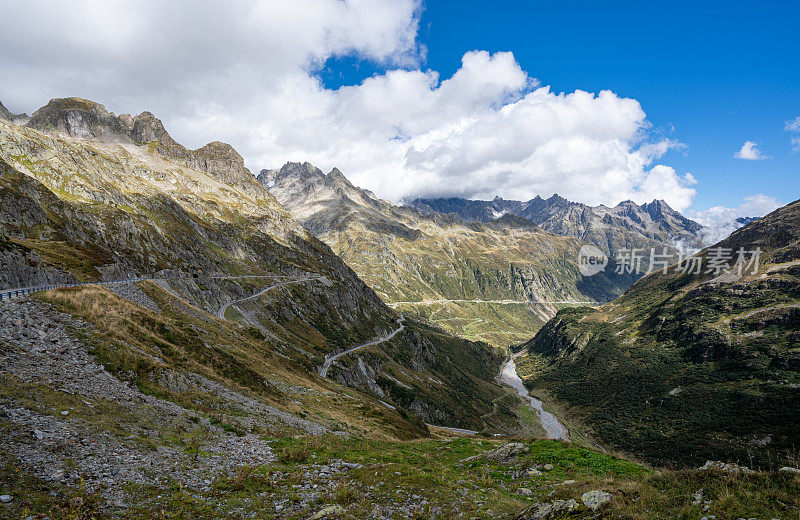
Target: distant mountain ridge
{"type": "Point", "coordinates": [626, 225]}
{"type": "Point", "coordinates": [451, 268]}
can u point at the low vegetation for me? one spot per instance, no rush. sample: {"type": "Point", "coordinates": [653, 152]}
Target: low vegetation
{"type": "Point", "coordinates": [429, 479]}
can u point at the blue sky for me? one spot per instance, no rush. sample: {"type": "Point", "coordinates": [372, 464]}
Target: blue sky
{"type": "Point", "coordinates": [709, 74]}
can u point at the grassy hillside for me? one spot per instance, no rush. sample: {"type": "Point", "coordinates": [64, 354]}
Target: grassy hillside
{"type": "Point", "coordinates": [685, 367]}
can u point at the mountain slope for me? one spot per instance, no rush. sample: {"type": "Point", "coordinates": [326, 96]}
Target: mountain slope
{"type": "Point", "coordinates": [87, 195]}
{"type": "Point", "coordinates": [684, 367]}
{"type": "Point", "coordinates": [475, 279]}
{"type": "Point", "coordinates": [625, 226]}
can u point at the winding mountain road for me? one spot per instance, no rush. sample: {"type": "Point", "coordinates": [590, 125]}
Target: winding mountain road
{"type": "Point", "coordinates": [454, 430]}
{"type": "Point", "coordinates": [221, 311]}
{"type": "Point", "coordinates": [329, 359]}
{"type": "Point", "coordinates": [499, 302]}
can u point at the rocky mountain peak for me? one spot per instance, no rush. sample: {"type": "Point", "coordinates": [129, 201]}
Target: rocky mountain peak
{"type": "Point", "coordinates": [86, 119]}
{"type": "Point", "coordinates": [557, 199]}
{"type": "Point", "coordinates": [76, 117]}
{"type": "Point", "coordinates": [337, 179]}
{"type": "Point", "coordinates": [146, 128]}
{"type": "Point", "coordinates": [221, 161]}
{"type": "Point", "coordinates": [658, 209]}
{"type": "Point", "coordinates": [4, 113]}
{"type": "Point", "coordinates": [610, 228]}
{"type": "Point", "coordinates": [305, 173]}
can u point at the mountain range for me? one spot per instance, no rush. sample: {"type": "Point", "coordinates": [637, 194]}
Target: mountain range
{"type": "Point", "coordinates": [625, 226]}
{"type": "Point", "coordinates": [496, 281]}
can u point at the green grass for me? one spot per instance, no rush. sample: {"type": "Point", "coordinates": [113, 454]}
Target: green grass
{"type": "Point", "coordinates": [435, 477]}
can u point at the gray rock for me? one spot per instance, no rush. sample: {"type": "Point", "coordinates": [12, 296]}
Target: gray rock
{"type": "Point", "coordinates": [788, 469]}
{"type": "Point", "coordinates": [548, 510]}
{"type": "Point", "coordinates": [726, 467]}
{"type": "Point", "coordinates": [594, 500]}
{"type": "Point", "coordinates": [39, 434]}
{"type": "Point", "coordinates": [504, 454]}
{"type": "Point", "coordinates": [6, 498]}
{"type": "Point", "coordinates": [328, 511]}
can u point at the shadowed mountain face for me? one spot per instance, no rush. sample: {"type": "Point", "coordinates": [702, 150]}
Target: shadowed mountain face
{"type": "Point", "coordinates": [684, 367]}
{"type": "Point", "coordinates": [456, 274]}
{"type": "Point", "coordinates": [87, 195]}
{"type": "Point", "coordinates": [624, 226]}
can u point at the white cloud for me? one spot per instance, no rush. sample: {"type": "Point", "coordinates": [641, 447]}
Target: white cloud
{"type": "Point", "coordinates": [750, 152]}
{"type": "Point", "coordinates": [245, 74]}
{"type": "Point", "coordinates": [794, 126]}
{"type": "Point", "coordinates": [721, 221]}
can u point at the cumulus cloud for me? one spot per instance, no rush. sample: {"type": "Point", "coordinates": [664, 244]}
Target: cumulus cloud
{"type": "Point", "coordinates": [721, 221]}
{"type": "Point", "coordinates": [750, 152]}
{"type": "Point", "coordinates": [246, 74]}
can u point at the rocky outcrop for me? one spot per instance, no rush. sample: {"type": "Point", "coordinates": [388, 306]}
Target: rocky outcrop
{"type": "Point", "coordinates": [84, 119]}
{"type": "Point", "coordinates": [4, 113]}
{"type": "Point", "coordinates": [77, 117]}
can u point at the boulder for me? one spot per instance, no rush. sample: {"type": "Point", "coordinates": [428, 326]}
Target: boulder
{"type": "Point", "coordinates": [328, 512]}
{"type": "Point", "coordinates": [724, 466]}
{"type": "Point", "coordinates": [594, 500]}
{"type": "Point", "coordinates": [549, 510]}
{"type": "Point", "coordinates": [503, 455]}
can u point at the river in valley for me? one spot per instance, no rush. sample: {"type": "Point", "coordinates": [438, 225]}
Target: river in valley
{"type": "Point", "coordinates": [552, 426]}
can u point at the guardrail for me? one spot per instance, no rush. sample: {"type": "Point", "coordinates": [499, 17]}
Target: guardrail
{"type": "Point", "coordinates": [8, 294]}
